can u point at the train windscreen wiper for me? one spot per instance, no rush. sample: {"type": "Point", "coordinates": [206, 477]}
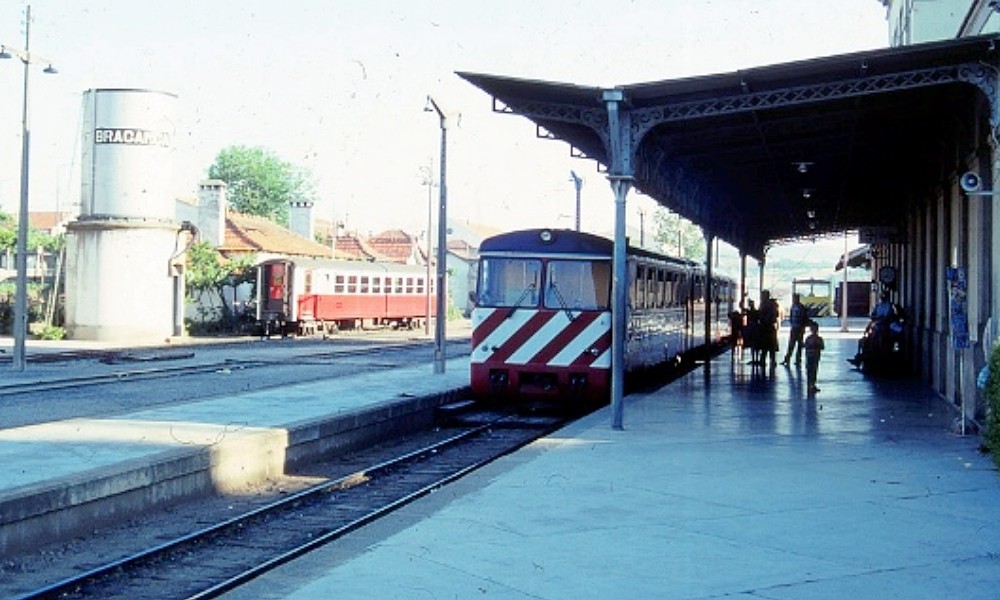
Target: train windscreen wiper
{"type": "Point", "coordinates": [562, 302]}
{"type": "Point", "coordinates": [524, 294]}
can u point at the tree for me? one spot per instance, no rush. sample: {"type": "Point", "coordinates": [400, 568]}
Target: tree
{"type": "Point", "coordinates": [260, 183]}
{"type": "Point", "coordinates": [208, 272]}
{"type": "Point", "coordinates": [8, 232]}
{"type": "Point", "coordinates": [678, 236]}
{"type": "Point", "coordinates": [36, 239]}
{"type": "Point", "coordinates": [36, 292]}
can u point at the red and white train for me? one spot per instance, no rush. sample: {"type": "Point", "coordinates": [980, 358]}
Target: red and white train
{"type": "Point", "coordinates": [300, 295]}
{"type": "Point", "coordinates": [541, 326]}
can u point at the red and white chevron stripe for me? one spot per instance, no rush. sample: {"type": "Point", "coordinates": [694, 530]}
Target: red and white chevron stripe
{"type": "Point", "coordinates": [541, 338]}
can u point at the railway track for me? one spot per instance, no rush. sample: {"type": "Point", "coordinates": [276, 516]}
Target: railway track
{"type": "Point", "coordinates": [220, 557]}
{"type": "Point", "coordinates": [116, 376]}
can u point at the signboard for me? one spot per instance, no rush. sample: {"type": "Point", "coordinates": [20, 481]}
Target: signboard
{"type": "Point", "coordinates": [958, 304]}
{"type": "Point", "coordinates": [886, 234]}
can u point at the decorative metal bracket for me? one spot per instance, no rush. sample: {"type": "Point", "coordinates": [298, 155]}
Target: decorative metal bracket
{"type": "Point", "coordinates": [985, 77]}
{"type": "Point", "coordinates": [981, 75]}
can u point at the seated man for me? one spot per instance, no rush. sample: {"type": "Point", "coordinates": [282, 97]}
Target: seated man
{"type": "Point", "coordinates": [884, 319]}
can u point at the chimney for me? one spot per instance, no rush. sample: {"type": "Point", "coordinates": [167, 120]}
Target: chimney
{"type": "Point", "coordinates": [212, 211]}
{"type": "Point", "coordinates": [300, 219]}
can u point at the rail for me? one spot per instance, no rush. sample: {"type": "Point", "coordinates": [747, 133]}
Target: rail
{"type": "Point", "coordinates": [218, 558]}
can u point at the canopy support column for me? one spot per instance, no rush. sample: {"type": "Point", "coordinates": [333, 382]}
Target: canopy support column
{"type": "Point", "coordinates": [709, 293]}
{"type": "Point", "coordinates": [620, 175]}
{"type": "Point", "coordinates": [743, 281]}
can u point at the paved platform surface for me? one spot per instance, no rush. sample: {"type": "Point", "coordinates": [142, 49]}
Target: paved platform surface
{"type": "Point", "coordinates": [46, 453]}
{"type": "Point", "coordinates": [725, 484]}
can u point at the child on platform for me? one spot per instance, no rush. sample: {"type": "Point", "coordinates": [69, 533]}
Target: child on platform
{"type": "Point", "coordinates": [814, 347]}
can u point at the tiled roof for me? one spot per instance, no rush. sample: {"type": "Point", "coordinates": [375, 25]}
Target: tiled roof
{"type": "Point", "coordinates": [353, 247]}
{"type": "Point", "coordinates": [249, 233]}
{"type": "Point", "coordinates": [46, 220]}
{"type": "Point", "coordinates": [463, 250]}
{"type": "Point", "coordinates": [252, 234]}
{"type": "Point", "coordinates": [397, 246]}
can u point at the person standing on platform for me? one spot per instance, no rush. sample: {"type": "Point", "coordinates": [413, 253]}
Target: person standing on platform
{"type": "Point", "coordinates": [769, 315]}
{"type": "Point", "coordinates": [751, 332]}
{"type": "Point", "coordinates": [798, 316]}
{"type": "Point", "coordinates": [814, 347]}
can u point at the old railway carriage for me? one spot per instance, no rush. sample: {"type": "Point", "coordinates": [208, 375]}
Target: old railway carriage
{"type": "Point", "coordinates": [300, 295]}
{"type": "Point", "coordinates": [542, 320]}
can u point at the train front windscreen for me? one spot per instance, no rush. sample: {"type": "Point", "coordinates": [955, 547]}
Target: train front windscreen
{"type": "Point", "coordinates": [509, 282]}
{"type": "Point", "coordinates": [567, 284]}
{"type": "Point", "coordinates": [578, 285]}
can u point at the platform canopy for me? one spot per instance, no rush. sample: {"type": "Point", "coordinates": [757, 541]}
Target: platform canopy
{"type": "Point", "coordinates": [859, 258]}
{"type": "Point", "coordinates": [789, 151]}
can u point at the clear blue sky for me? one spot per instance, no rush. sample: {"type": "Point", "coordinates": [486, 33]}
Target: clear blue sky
{"type": "Point", "coordinates": [339, 86]}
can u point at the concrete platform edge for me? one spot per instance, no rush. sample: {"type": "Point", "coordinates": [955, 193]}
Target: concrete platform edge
{"type": "Point", "coordinates": [36, 515]}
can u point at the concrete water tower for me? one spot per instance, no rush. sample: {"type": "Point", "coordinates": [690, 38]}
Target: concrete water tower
{"type": "Point", "coordinates": [119, 283]}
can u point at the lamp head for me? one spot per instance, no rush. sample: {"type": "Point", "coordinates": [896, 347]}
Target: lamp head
{"type": "Point", "coordinates": [50, 70]}
{"type": "Point", "coordinates": [4, 53]}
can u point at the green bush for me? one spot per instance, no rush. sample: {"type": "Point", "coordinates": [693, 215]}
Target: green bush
{"type": "Point", "coordinates": [992, 395]}
{"type": "Point", "coordinates": [51, 332]}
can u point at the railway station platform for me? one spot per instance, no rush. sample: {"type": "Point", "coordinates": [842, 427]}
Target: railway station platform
{"type": "Point", "coordinates": [728, 483]}
{"type": "Point", "coordinates": [61, 477]}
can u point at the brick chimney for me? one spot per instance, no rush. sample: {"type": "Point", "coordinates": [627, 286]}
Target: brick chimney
{"type": "Point", "coordinates": [300, 219]}
{"type": "Point", "coordinates": [212, 211]}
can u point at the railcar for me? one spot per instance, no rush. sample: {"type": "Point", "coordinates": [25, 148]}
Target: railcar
{"type": "Point", "coordinates": [301, 296]}
{"type": "Point", "coordinates": [541, 325]}
{"type": "Point", "coordinates": [814, 294]}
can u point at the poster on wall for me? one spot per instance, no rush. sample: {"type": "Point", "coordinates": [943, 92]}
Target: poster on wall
{"type": "Point", "coordinates": [957, 291]}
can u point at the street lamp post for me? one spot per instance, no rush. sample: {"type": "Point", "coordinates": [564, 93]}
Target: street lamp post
{"type": "Point", "coordinates": [441, 290]}
{"type": "Point", "coordinates": [429, 182]}
{"type": "Point", "coordinates": [578, 184]}
{"type": "Point", "coordinates": [21, 259]}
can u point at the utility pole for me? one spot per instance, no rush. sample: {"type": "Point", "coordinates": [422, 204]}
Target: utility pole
{"type": "Point", "coordinates": [578, 184]}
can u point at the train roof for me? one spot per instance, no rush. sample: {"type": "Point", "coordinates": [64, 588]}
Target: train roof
{"type": "Point", "coordinates": [549, 241]}
{"type": "Point", "coordinates": [566, 241]}
{"type": "Point", "coordinates": [354, 266]}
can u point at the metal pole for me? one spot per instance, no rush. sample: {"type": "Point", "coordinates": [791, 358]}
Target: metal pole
{"type": "Point", "coordinates": [743, 281]}
{"type": "Point", "coordinates": [620, 166]}
{"type": "Point", "coordinates": [642, 228]}
{"type": "Point", "coordinates": [843, 292]}
{"type": "Point", "coordinates": [442, 290]}
{"type": "Point", "coordinates": [578, 184]}
{"type": "Point", "coordinates": [21, 258]}
{"type": "Point", "coordinates": [430, 220]}
{"type": "Point", "coordinates": [707, 292]}
{"type": "Point", "coordinates": [619, 305]}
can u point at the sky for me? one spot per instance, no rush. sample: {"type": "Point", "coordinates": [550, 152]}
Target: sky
{"type": "Point", "coordinates": [339, 87]}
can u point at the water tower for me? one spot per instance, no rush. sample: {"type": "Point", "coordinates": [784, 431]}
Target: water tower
{"type": "Point", "coordinates": [119, 283]}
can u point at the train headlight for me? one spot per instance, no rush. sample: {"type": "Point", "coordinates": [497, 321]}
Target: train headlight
{"type": "Point", "coordinates": [594, 351]}
{"type": "Point", "coordinates": [499, 378]}
{"type": "Point", "coordinates": [547, 236]}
